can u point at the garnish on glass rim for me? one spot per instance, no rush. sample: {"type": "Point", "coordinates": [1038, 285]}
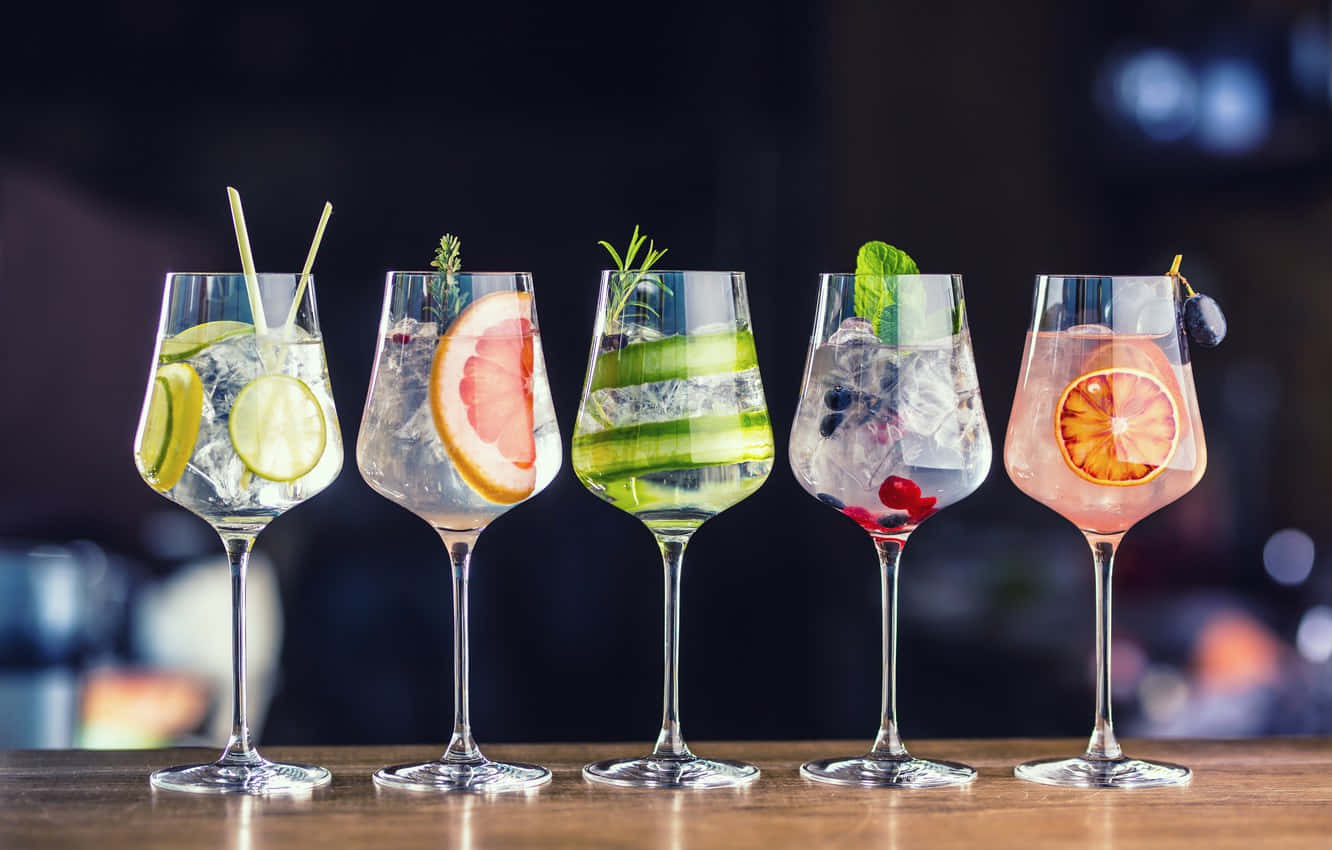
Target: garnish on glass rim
{"type": "Point", "coordinates": [445, 293]}
{"type": "Point", "coordinates": [1203, 318]}
{"type": "Point", "coordinates": [624, 284]}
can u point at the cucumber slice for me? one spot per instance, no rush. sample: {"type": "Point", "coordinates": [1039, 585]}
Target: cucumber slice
{"type": "Point", "coordinates": [678, 444]}
{"type": "Point", "coordinates": [679, 356]}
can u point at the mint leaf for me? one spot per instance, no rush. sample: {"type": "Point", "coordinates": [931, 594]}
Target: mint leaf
{"type": "Point", "coordinates": [882, 258]}
{"type": "Point", "coordinates": [876, 293]}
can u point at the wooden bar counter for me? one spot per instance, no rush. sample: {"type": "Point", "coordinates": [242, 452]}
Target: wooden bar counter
{"type": "Point", "coordinates": [1245, 794]}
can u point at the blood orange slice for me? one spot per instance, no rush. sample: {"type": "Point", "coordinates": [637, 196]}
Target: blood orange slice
{"type": "Point", "coordinates": [481, 396]}
{"type": "Point", "coordinates": [1117, 426]}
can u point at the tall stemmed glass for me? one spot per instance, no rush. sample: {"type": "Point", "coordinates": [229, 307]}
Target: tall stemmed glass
{"type": "Point", "coordinates": [673, 428]}
{"type": "Point", "coordinates": [1105, 430]}
{"type": "Point", "coordinates": [890, 430]}
{"type": "Point", "coordinates": [238, 426]}
{"type": "Point", "coordinates": [459, 428]}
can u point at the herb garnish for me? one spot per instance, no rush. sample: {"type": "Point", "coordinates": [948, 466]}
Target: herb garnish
{"type": "Point", "coordinates": [445, 294]}
{"type": "Point", "coordinates": [879, 299]}
{"type": "Point", "coordinates": [624, 284]}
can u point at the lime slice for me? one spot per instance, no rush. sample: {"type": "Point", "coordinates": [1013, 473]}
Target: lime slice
{"type": "Point", "coordinates": [679, 356]}
{"type": "Point", "coordinates": [678, 444]}
{"type": "Point", "coordinates": [191, 341]}
{"type": "Point", "coordinates": [171, 427]}
{"type": "Point", "coordinates": [277, 427]}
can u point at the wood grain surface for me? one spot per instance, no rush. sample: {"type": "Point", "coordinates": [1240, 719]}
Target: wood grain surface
{"type": "Point", "coordinates": [1258, 793]}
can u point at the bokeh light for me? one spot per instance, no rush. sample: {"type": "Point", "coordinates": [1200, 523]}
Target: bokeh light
{"type": "Point", "coordinates": [1288, 556]}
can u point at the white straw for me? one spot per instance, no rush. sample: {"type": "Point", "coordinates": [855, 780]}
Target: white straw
{"type": "Point", "coordinates": [247, 261]}
{"type": "Point", "coordinates": [309, 264]}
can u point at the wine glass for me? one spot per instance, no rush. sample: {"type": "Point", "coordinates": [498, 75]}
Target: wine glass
{"type": "Point", "coordinates": [238, 426]}
{"type": "Point", "coordinates": [673, 429]}
{"type": "Point", "coordinates": [458, 428]}
{"type": "Point", "coordinates": [1105, 430]}
{"type": "Point", "coordinates": [890, 430]}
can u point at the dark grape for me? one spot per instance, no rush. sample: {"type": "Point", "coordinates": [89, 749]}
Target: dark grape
{"type": "Point", "coordinates": [1204, 320]}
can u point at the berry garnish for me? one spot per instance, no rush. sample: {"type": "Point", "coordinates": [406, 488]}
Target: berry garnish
{"type": "Point", "coordinates": [401, 338]}
{"type": "Point", "coordinates": [903, 494]}
{"type": "Point", "coordinates": [862, 516]}
{"type": "Point", "coordinates": [922, 510]}
{"type": "Point", "coordinates": [830, 499]}
{"type": "Point", "coordinates": [829, 424]}
{"type": "Point", "coordinates": [894, 521]}
{"type": "Point", "coordinates": [899, 493]}
{"type": "Point", "coordinates": [838, 398]}
{"type": "Point", "coordinates": [1204, 320]}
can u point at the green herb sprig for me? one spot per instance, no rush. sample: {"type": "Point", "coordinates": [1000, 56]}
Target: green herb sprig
{"type": "Point", "coordinates": [626, 283]}
{"type": "Point", "coordinates": [445, 293]}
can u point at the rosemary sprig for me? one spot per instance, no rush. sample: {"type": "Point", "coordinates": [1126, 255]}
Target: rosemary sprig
{"type": "Point", "coordinates": [624, 284]}
{"type": "Point", "coordinates": [445, 294]}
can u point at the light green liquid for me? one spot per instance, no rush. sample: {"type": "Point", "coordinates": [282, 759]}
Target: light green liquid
{"type": "Point", "coordinates": [632, 447]}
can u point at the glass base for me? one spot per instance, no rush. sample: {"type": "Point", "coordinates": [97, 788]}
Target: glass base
{"type": "Point", "coordinates": [658, 772]}
{"type": "Point", "coordinates": [1081, 772]}
{"type": "Point", "coordinates": [868, 772]}
{"type": "Point", "coordinates": [262, 777]}
{"type": "Point", "coordinates": [485, 776]}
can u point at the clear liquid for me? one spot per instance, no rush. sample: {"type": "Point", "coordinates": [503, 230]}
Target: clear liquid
{"type": "Point", "coordinates": [399, 450]}
{"type": "Point", "coordinates": [1032, 454]}
{"type": "Point", "coordinates": [215, 484]}
{"type": "Point", "coordinates": [911, 412]}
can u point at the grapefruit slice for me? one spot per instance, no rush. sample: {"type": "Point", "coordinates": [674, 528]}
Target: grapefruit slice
{"type": "Point", "coordinates": [481, 396]}
{"type": "Point", "coordinates": [1117, 426]}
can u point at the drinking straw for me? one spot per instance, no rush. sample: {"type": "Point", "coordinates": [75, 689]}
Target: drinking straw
{"type": "Point", "coordinates": [309, 264]}
{"type": "Point", "coordinates": [247, 261]}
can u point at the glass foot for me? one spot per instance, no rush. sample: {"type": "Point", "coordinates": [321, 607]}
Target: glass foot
{"type": "Point", "coordinates": [262, 777]}
{"type": "Point", "coordinates": [658, 772]}
{"type": "Point", "coordinates": [485, 776]}
{"type": "Point", "coordinates": [867, 772]}
{"type": "Point", "coordinates": [1080, 772]}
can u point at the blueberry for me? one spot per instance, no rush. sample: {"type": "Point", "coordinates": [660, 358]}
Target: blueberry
{"type": "Point", "coordinates": [829, 498]}
{"type": "Point", "coordinates": [872, 403]}
{"type": "Point", "coordinates": [829, 424]}
{"type": "Point", "coordinates": [894, 521]}
{"type": "Point", "coordinates": [1204, 320]}
{"type": "Point", "coordinates": [838, 398]}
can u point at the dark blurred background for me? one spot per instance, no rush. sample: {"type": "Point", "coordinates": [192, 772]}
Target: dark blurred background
{"type": "Point", "coordinates": [995, 140]}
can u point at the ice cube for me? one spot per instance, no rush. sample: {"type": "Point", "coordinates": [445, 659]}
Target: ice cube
{"type": "Point", "coordinates": [1090, 330]}
{"type": "Point", "coordinates": [854, 331]}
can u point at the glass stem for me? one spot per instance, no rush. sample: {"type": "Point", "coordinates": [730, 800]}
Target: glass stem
{"type": "Point", "coordinates": [240, 748]}
{"type": "Point", "coordinates": [888, 744]}
{"type": "Point", "coordinates": [670, 743]}
{"type": "Point", "coordinates": [1103, 746]}
{"type": "Point", "coordinates": [462, 747]}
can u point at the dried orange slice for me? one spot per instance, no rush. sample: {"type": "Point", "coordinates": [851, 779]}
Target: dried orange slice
{"type": "Point", "coordinates": [1117, 426]}
{"type": "Point", "coordinates": [481, 396]}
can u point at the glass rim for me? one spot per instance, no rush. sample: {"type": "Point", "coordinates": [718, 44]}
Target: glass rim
{"type": "Point", "coordinates": [235, 274]}
{"type": "Point", "coordinates": [905, 276]}
{"type": "Point", "coordinates": [673, 271]}
{"type": "Point", "coordinates": [1106, 276]}
{"type": "Point", "coordinates": [394, 273]}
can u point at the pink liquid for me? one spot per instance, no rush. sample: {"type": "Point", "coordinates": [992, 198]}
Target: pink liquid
{"type": "Point", "coordinates": [1032, 454]}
